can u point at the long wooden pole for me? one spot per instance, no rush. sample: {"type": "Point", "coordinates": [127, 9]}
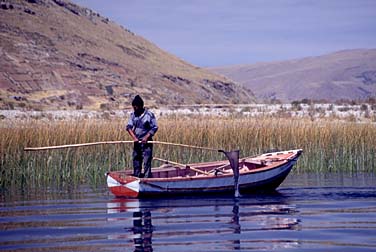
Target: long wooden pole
{"type": "Point", "coordinates": [112, 142]}
{"type": "Point", "coordinates": [184, 145]}
{"type": "Point", "coordinates": [74, 145]}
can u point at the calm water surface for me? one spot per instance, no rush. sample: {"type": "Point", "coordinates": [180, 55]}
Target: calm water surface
{"type": "Point", "coordinates": [334, 212]}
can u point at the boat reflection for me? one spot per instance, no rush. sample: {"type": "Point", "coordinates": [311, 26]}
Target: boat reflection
{"type": "Point", "coordinates": [230, 223]}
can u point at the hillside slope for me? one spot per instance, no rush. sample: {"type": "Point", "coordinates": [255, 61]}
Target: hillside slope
{"type": "Point", "coordinates": [348, 74]}
{"type": "Point", "coordinates": [55, 54]}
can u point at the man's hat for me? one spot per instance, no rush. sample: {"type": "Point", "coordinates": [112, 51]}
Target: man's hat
{"type": "Point", "coordinates": [137, 101]}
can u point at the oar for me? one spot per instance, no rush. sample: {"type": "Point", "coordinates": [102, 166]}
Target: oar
{"type": "Point", "coordinates": [233, 157]}
{"type": "Point", "coordinates": [182, 165]}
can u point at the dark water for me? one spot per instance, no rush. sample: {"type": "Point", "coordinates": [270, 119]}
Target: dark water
{"type": "Point", "coordinates": [335, 212]}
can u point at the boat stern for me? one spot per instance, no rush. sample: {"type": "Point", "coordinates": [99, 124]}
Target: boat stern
{"type": "Point", "coordinates": [122, 185]}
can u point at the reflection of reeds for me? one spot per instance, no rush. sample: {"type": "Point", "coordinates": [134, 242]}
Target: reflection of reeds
{"type": "Point", "coordinates": [328, 146]}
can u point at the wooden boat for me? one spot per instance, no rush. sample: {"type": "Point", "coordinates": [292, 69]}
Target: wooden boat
{"type": "Point", "coordinates": [264, 172]}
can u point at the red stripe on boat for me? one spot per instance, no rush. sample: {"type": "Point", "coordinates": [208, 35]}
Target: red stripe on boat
{"type": "Point", "coordinates": [123, 186]}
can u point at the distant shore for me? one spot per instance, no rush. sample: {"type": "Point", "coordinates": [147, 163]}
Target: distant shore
{"type": "Point", "coordinates": [355, 113]}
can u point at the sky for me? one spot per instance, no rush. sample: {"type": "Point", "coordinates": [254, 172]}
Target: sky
{"type": "Point", "coordinates": [232, 32]}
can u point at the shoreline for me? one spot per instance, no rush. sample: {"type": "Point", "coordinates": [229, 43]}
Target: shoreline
{"type": "Point", "coordinates": [354, 113]}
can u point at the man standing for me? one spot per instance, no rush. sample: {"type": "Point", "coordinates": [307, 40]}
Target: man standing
{"type": "Point", "coordinates": [142, 126]}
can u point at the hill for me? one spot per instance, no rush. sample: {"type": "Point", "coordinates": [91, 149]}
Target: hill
{"type": "Point", "coordinates": [348, 74]}
{"type": "Point", "coordinates": [56, 54]}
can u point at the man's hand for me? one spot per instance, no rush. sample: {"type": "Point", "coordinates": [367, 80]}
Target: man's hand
{"type": "Point", "coordinates": [145, 138]}
{"type": "Point", "coordinates": [133, 135]}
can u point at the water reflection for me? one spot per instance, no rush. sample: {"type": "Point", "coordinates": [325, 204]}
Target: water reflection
{"type": "Point", "coordinates": [236, 224]}
{"type": "Point", "coordinates": [143, 231]}
{"type": "Point", "coordinates": [336, 213]}
{"type": "Point", "coordinates": [142, 228]}
{"type": "Point", "coordinates": [204, 222]}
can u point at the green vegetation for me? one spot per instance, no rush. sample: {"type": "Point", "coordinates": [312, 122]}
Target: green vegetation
{"type": "Point", "coordinates": [328, 146]}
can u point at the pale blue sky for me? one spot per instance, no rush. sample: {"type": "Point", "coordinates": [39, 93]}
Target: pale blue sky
{"type": "Point", "coordinates": [231, 32]}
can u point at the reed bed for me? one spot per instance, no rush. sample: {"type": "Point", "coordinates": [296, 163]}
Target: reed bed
{"type": "Point", "coordinates": [329, 146]}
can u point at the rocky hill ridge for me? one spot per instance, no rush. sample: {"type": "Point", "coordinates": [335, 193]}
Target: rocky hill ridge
{"type": "Point", "coordinates": [56, 54]}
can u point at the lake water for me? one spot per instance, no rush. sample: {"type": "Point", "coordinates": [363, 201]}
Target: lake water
{"type": "Point", "coordinates": [334, 212]}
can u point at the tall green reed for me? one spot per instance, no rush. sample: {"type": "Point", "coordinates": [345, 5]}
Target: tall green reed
{"type": "Point", "coordinates": [329, 146]}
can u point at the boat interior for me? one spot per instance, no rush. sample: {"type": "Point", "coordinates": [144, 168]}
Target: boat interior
{"type": "Point", "coordinates": [169, 169]}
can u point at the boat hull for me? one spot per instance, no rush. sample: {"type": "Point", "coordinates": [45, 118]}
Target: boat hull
{"type": "Point", "coordinates": [264, 179]}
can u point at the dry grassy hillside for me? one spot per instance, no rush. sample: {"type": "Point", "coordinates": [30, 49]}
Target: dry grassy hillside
{"type": "Point", "coordinates": [349, 74]}
{"type": "Point", "coordinates": [55, 54]}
